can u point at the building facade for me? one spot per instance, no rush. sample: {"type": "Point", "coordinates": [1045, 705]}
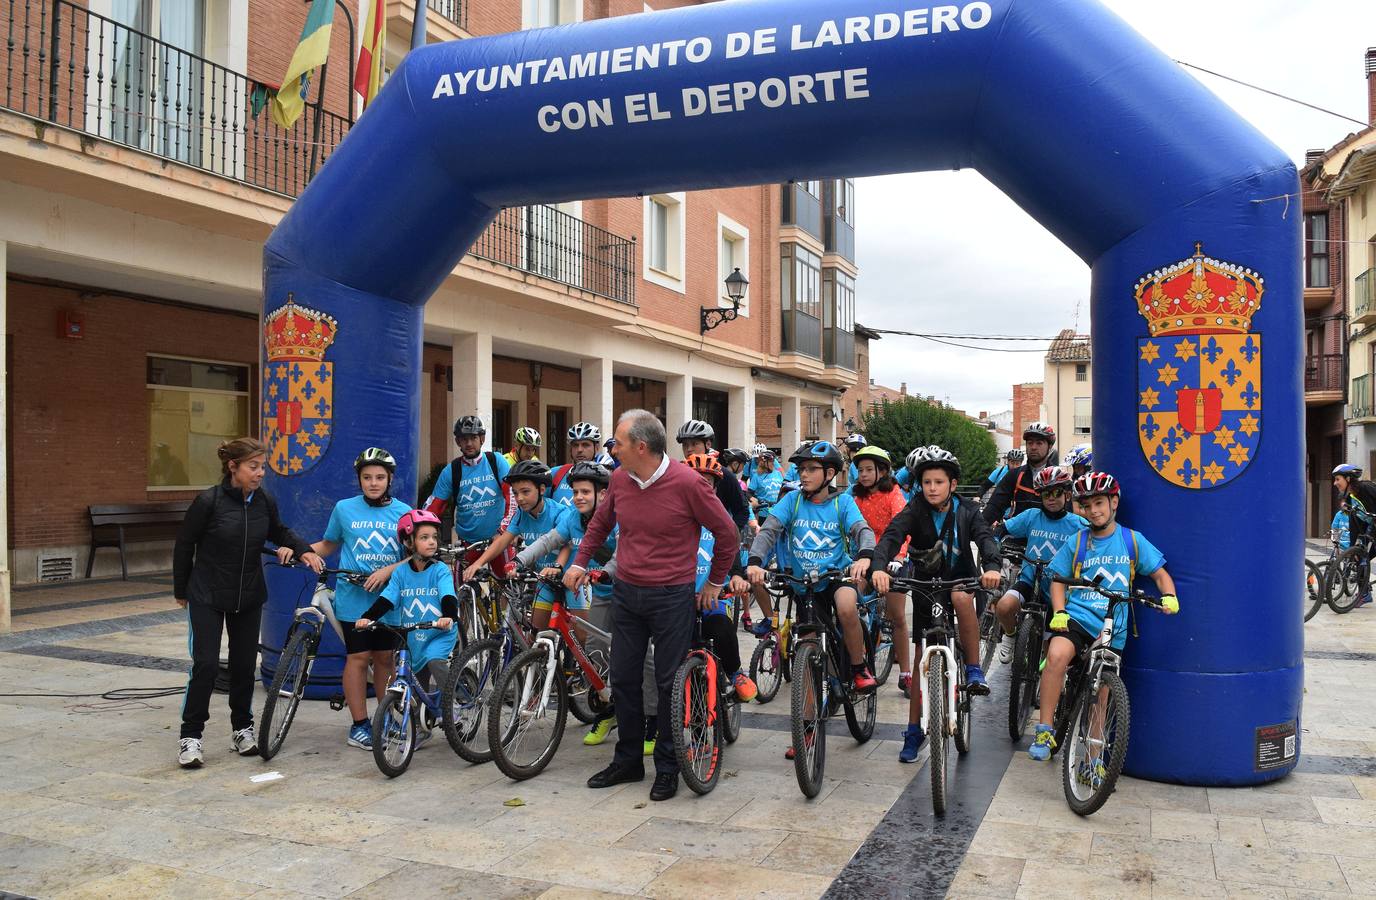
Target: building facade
{"type": "Point", "coordinates": [1027, 407]}
{"type": "Point", "coordinates": [1068, 390]}
{"type": "Point", "coordinates": [140, 174]}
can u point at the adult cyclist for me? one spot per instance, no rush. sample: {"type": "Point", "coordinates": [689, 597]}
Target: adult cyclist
{"type": "Point", "coordinates": [473, 484]}
{"type": "Point", "coordinates": [1016, 492]}
{"type": "Point", "coordinates": [695, 437]}
{"type": "Point", "coordinates": [585, 439]}
{"type": "Point", "coordinates": [1358, 499]}
{"type": "Point", "coordinates": [1011, 460]}
{"type": "Point", "coordinates": [527, 446]}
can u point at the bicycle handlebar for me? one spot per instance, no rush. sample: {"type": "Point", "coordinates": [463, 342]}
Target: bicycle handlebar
{"type": "Point", "coordinates": [401, 629]}
{"type": "Point", "coordinates": [812, 579]}
{"type": "Point", "coordinates": [1139, 596]}
{"type": "Point", "coordinates": [936, 584]}
{"type": "Point", "coordinates": [352, 577]}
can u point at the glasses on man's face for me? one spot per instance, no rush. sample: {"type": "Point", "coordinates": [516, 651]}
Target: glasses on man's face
{"type": "Point", "coordinates": [1055, 493]}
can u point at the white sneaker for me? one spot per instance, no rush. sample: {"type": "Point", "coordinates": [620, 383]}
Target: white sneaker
{"type": "Point", "coordinates": [1006, 647]}
{"type": "Point", "coordinates": [245, 742]}
{"type": "Point", "coordinates": [189, 755]}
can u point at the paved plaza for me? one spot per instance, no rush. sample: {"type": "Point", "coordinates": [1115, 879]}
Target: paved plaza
{"type": "Point", "coordinates": [92, 803]}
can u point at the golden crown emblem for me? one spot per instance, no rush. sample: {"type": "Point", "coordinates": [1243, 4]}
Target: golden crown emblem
{"type": "Point", "coordinates": [293, 332]}
{"type": "Point", "coordinates": [1199, 295]}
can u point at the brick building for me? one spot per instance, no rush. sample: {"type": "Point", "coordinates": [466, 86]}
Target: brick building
{"type": "Point", "coordinates": [1027, 407]}
{"type": "Point", "coordinates": [131, 235]}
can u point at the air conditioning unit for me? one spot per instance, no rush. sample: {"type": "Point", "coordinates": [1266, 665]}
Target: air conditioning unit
{"type": "Point", "coordinates": [56, 567]}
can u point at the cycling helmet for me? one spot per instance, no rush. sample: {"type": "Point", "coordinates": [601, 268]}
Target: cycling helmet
{"type": "Point", "coordinates": [761, 450]}
{"type": "Point", "coordinates": [609, 443]}
{"type": "Point", "coordinates": [1052, 477]}
{"type": "Point", "coordinates": [855, 442]}
{"type": "Point", "coordinates": [824, 452]}
{"type": "Point", "coordinates": [1095, 484]}
{"type": "Point", "coordinates": [878, 454]}
{"type": "Point", "coordinates": [916, 458]}
{"type": "Point", "coordinates": [589, 471]}
{"type": "Point", "coordinates": [469, 425]}
{"type": "Point", "coordinates": [375, 456]}
{"type": "Point", "coordinates": [934, 457]}
{"type": "Point", "coordinates": [1015, 457]}
{"type": "Point", "coordinates": [1079, 455]}
{"type": "Point", "coordinates": [733, 455]}
{"type": "Point", "coordinates": [695, 430]}
{"type": "Point", "coordinates": [605, 459]}
{"type": "Point", "coordinates": [528, 436]}
{"type": "Point", "coordinates": [790, 486]}
{"type": "Point", "coordinates": [1348, 470]}
{"type": "Point", "coordinates": [1040, 430]}
{"type": "Point", "coordinates": [529, 470]}
{"type": "Point", "coordinates": [702, 463]}
{"type": "Point", "coordinates": [585, 431]}
{"type": "Point", "coordinates": [413, 519]}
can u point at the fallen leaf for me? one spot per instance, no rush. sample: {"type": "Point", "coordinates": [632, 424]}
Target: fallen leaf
{"type": "Point", "coordinates": [515, 801]}
{"type": "Point", "coordinates": [641, 805]}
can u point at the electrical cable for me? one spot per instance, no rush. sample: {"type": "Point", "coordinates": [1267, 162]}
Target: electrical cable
{"type": "Point", "coordinates": [1255, 87]}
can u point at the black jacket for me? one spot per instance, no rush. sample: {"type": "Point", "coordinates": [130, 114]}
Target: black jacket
{"type": "Point", "coordinates": [218, 557]}
{"type": "Point", "coordinates": [1012, 495]}
{"type": "Point", "coordinates": [729, 493]}
{"type": "Point", "coordinates": [916, 522]}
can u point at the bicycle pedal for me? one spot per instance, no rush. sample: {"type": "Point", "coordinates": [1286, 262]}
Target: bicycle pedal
{"type": "Point", "coordinates": [337, 702]}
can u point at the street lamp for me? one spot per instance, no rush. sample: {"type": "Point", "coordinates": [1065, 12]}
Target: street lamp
{"type": "Point", "coordinates": [711, 317]}
{"type": "Point", "coordinates": [850, 426]}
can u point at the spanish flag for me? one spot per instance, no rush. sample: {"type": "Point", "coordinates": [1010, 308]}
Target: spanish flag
{"type": "Point", "coordinates": [312, 51]}
{"type": "Point", "coordinates": [368, 75]}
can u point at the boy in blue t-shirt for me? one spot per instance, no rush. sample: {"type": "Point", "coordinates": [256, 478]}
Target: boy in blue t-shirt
{"type": "Point", "coordinates": [535, 517]}
{"type": "Point", "coordinates": [1105, 552]}
{"type": "Point", "coordinates": [363, 530]}
{"type": "Point", "coordinates": [1043, 532]}
{"type": "Point", "coordinates": [551, 551]}
{"type": "Point", "coordinates": [765, 481]}
{"type": "Point", "coordinates": [1340, 531]}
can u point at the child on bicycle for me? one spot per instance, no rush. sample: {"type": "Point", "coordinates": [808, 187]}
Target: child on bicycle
{"type": "Point", "coordinates": [765, 480]}
{"type": "Point", "coordinates": [937, 516]}
{"type": "Point", "coordinates": [536, 515]}
{"type": "Point", "coordinates": [1357, 498]}
{"type": "Point", "coordinates": [1043, 532]}
{"type": "Point", "coordinates": [422, 590]}
{"type": "Point", "coordinates": [1106, 552]}
{"type": "Point", "coordinates": [361, 528]}
{"type": "Point", "coordinates": [880, 501]}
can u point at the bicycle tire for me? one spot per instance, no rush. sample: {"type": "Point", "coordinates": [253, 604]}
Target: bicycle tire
{"type": "Point", "coordinates": [990, 633]}
{"type": "Point", "coordinates": [731, 718]}
{"type": "Point", "coordinates": [808, 717]}
{"type": "Point", "coordinates": [386, 734]}
{"type": "Point", "coordinates": [766, 669]}
{"type": "Point", "coordinates": [862, 710]}
{"type": "Point", "coordinates": [1339, 600]}
{"type": "Point", "coordinates": [1118, 718]}
{"type": "Point", "coordinates": [963, 735]}
{"type": "Point", "coordinates": [581, 703]}
{"type": "Point", "coordinates": [464, 716]}
{"type": "Point", "coordinates": [883, 648]}
{"type": "Point", "coordinates": [1313, 587]}
{"type": "Point", "coordinates": [502, 729]}
{"type": "Point", "coordinates": [299, 651]}
{"type": "Point", "coordinates": [697, 738]}
{"type": "Point", "coordinates": [471, 628]}
{"type": "Point", "coordinates": [936, 730]}
{"type": "Point", "coordinates": [1022, 675]}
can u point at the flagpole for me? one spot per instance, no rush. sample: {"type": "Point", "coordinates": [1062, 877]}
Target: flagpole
{"type": "Point", "coordinates": [320, 94]}
{"type": "Point", "coordinates": [418, 25]}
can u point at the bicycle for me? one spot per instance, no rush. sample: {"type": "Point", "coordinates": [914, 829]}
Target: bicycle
{"type": "Point", "coordinates": [1094, 710]}
{"type": "Point", "coordinates": [821, 678]}
{"type": "Point", "coordinates": [771, 662]}
{"type": "Point", "coordinates": [299, 650]}
{"type": "Point", "coordinates": [479, 613]}
{"type": "Point", "coordinates": [990, 631]}
{"type": "Point", "coordinates": [705, 703]}
{"type": "Point", "coordinates": [404, 701]}
{"type": "Point", "coordinates": [534, 690]}
{"type": "Point", "coordinates": [874, 612]}
{"type": "Point", "coordinates": [1343, 582]}
{"type": "Point", "coordinates": [1313, 587]}
{"type": "Point", "coordinates": [946, 697]}
{"type": "Point", "coordinates": [1024, 677]}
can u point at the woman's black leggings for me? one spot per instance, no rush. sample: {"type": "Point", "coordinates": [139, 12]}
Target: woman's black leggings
{"type": "Point", "coordinates": [206, 624]}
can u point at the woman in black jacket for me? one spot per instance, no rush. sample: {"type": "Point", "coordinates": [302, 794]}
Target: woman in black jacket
{"type": "Point", "coordinates": [217, 576]}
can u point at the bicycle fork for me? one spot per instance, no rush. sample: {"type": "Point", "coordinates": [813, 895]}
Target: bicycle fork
{"type": "Point", "coordinates": [945, 651]}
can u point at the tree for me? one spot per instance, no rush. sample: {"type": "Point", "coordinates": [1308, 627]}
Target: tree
{"type": "Point", "coordinates": [900, 426]}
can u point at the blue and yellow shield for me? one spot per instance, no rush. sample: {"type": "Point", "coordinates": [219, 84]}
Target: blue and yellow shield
{"type": "Point", "coordinates": [298, 387]}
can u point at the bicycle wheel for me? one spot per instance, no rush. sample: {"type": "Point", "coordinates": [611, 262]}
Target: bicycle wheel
{"type": "Point", "coordinates": [525, 720]}
{"type": "Point", "coordinates": [1098, 745]}
{"type": "Point", "coordinates": [809, 716]}
{"type": "Point", "coordinates": [936, 730]}
{"type": "Point", "coordinates": [765, 669]}
{"type": "Point", "coordinates": [729, 712]}
{"type": "Point", "coordinates": [883, 647]}
{"type": "Point", "coordinates": [471, 626]}
{"type": "Point", "coordinates": [862, 709]}
{"type": "Point", "coordinates": [1313, 587]}
{"type": "Point", "coordinates": [284, 694]}
{"type": "Point", "coordinates": [697, 738]}
{"type": "Point", "coordinates": [1023, 680]}
{"type": "Point", "coordinates": [394, 734]}
{"type": "Point", "coordinates": [990, 633]}
{"type": "Point", "coordinates": [582, 704]}
{"type": "Point", "coordinates": [1340, 572]}
{"type": "Point", "coordinates": [463, 701]}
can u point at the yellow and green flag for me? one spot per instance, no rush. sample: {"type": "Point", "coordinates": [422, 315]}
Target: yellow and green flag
{"type": "Point", "coordinates": [312, 51]}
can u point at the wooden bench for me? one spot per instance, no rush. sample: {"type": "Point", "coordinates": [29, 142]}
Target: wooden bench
{"type": "Point", "coordinates": [163, 518]}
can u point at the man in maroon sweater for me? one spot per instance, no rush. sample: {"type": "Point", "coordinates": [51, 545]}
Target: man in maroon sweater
{"type": "Point", "coordinates": [661, 507]}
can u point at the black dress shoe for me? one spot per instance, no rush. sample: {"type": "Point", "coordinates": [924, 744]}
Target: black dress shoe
{"type": "Point", "coordinates": [616, 773]}
{"type": "Point", "coordinates": [666, 786]}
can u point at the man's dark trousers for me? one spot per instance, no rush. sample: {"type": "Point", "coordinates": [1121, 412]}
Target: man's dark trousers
{"type": "Point", "coordinates": [639, 614]}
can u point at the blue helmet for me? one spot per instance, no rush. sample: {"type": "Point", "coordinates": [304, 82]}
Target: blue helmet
{"type": "Point", "coordinates": [824, 452]}
{"type": "Point", "coordinates": [1348, 470]}
{"type": "Point", "coordinates": [1079, 455]}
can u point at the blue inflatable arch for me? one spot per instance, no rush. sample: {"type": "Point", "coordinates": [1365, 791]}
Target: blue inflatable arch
{"type": "Point", "coordinates": [1146, 175]}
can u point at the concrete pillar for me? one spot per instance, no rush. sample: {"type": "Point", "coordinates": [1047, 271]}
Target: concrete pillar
{"type": "Point", "coordinates": [4, 459]}
{"type": "Point", "coordinates": [597, 406]}
{"type": "Point", "coordinates": [472, 379]}
{"type": "Point", "coordinates": [791, 427]}
{"type": "Point", "coordinates": [678, 406]}
{"type": "Point", "coordinates": [740, 415]}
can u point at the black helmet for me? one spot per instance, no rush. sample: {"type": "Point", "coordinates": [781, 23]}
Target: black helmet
{"type": "Point", "coordinates": [695, 430]}
{"type": "Point", "coordinates": [529, 470]}
{"type": "Point", "coordinates": [733, 455]}
{"type": "Point", "coordinates": [469, 425]}
{"type": "Point", "coordinates": [824, 452]}
{"type": "Point", "coordinates": [588, 471]}
{"type": "Point", "coordinates": [375, 456]}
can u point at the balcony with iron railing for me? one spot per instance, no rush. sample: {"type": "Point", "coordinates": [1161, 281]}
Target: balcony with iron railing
{"type": "Point", "coordinates": [1364, 298]}
{"type": "Point", "coordinates": [64, 65]}
{"type": "Point", "coordinates": [1360, 405]}
{"type": "Point", "coordinates": [1323, 378]}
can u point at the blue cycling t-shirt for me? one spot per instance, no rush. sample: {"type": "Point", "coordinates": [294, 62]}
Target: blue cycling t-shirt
{"type": "Point", "coordinates": [997, 475]}
{"type": "Point", "coordinates": [1044, 536]}
{"type": "Point", "coordinates": [1343, 527]}
{"type": "Point", "coordinates": [852, 474]}
{"type": "Point", "coordinates": [766, 486]}
{"type": "Point", "coordinates": [791, 473]}
{"type": "Point", "coordinates": [1108, 559]}
{"type": "Point", "coordinates": [707, 543]}
{"type": "Point", "coordinates": [531, 527]}
{"type": "Point", "coordinates": [418, 596]}
{"type": "Point", "coordinates": [481, 504]}
{"type": "Point", "coordinates": [572, 528]}
{"type": "Point", "coordinates": [815, 534]}
{"type": "Point", "coordinates": [367, 539]}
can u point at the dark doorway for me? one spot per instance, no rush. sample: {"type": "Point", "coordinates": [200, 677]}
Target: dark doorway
{"type": "Point", "coordinates": [503, 425]}
{"type": "Point", "coordinates": [556, 423]}
{"type": "Point", "coordinates": [710, 406]}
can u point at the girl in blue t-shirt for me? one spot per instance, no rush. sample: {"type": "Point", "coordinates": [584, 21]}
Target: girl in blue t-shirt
{"type": "Point", "coordinates": [363, 530]}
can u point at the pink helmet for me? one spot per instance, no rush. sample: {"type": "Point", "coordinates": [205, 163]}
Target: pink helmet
{"type": "Point", "coordinates": [412, 520]}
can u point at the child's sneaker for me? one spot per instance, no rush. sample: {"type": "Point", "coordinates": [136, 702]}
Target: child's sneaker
{"type": "Point", "coordinates": [746, 621]}
{"type": "Point", "coordinates": [361, 736]}
{"type": "Point", "coordinates": [189, 754]}
{"type": "Point", "coordinates": [975, 683]}
{"type": "Point", "coordinates": [745, 688]}
{"type": "Point", "coordinates": [912, 743]}
{"type": "Point", "coordinates": [1006, 648]}
{"type": "Point", "coordinates": [905, 684]}
{"type": "Point", "coordinates": [1363, 600]}
{"type": "Point", "coordinates": [761, 628]}
{"type": "Point", "coordinates": [863, 681]}
{"type": "Point", "coordinates": [599, 732]}
{"type": "Point", "coordinates": [1043, 744]}
{"type": "Point", "coordinates": [649, 748]}
{"type": "Point", "coordinates": [244, 742]}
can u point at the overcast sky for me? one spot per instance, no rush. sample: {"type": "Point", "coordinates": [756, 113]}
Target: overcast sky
{"type": "Point", "coordinates": [948, 252]}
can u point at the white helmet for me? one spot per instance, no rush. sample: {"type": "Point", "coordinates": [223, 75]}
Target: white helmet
{"type": "Point", "coordinates": [932, 456]}
{"type": "Point", "coordinates": [585, 431]}
{"type": "Point", "coordinates": [695, 430]}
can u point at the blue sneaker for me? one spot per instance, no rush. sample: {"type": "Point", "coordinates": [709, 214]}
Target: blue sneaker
{"type": "Point", "coordinates": [361, 736]}
{"type": "Point", "coordinates": [1043, 744]}
{"type": "Point", "coordinates": [1363, 600]}
{"type": "Point", "coordinates": [975, 683]}
{"type": "Point", "coordinates": [912, 742]}
{"type": "Point", "coordinates": [761, 628]}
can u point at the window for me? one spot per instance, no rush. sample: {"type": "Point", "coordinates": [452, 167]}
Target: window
{"type": "Point", "coordinates": [1081, 372]}
{"type": "Point", "coordinates": [843, 201]}
{"type": "Point", "coordinates": [1084, 411]}
{"type": "Point", "coordinates": [733, 253]}
{"type": "Point", "coordinates": [802, 280]}
{"type": "Point", "coordinates": [193, 405]}
{"type": "Point", "coordinates": [1316, 250]}
{"type": "Point", "coordinates": [545, 13]}
{"type": "Point", "coordinates": [153, 46]}
{"type": "Point", "coordinates": [664, 241]}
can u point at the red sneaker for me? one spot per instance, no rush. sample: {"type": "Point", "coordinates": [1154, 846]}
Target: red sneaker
{"type": "Point", "coordinates": [864, 682]}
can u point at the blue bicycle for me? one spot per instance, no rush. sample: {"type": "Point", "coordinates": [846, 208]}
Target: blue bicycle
{"type": "Point", "coordinates": [403, 709]}
{"type": "Point", "coordinates": [874, 613]}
